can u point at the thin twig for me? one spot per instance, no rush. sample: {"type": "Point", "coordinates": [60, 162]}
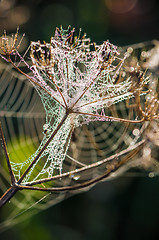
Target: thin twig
{"type": "Point", "coordinates": [111, 169]}
{"type": "Point", "coordinates": [33, 81]}
{"type": "Point", "coordinates": [58, 89]}
{"type": "Point", "coordinates": [70, 188]}
{"type": "Point", "coordinates": [8, 195]}
{"type": "Point", "coordinates": [109, 118]}
{"type": "Point", "coordinates": [85, 90]}
{"type": "Point", "coordinates": [93, 165]}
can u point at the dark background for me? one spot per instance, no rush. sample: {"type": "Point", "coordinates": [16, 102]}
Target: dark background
{"type": "Point", "coordinates": [120, 21]}
{"type": "Point", "coordinates": [125, 208]}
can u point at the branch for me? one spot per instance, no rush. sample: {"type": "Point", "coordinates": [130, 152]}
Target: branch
{"type": "Point", "coordinates": [33, 81]}
{"type": "Point", "coordinates": [111, 118]}
{"type": "Point", "coordinates": [111, 169]}
{"type": "Point", "coordinates": [58, 89]}
{"type": "Point", "coordinates": [93, 165]}
{"type": "Point", "coordinates": [8, 195]}
{"type": "Point", "coordinates": [85, 90]}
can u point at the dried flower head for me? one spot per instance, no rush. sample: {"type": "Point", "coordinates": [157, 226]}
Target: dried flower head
{"type": "Point", "coordinates": [78, 83]}
{"type": "Point", "coordinates": [8, 45]}
{"type": "Point", "coordinates": [81, 76]}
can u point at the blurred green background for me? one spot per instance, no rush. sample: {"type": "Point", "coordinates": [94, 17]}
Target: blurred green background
{"type": "Point", "coordinates": [125, 208]}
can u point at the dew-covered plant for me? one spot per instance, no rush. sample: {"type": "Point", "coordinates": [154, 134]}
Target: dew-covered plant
{"type": "Point", "coordinates": [80, 84]}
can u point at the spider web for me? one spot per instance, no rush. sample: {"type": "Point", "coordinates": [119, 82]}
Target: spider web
{"type": "Point", "coordinates": [28, 122]}
{"type": "Point", "coordinates": [77, 78]}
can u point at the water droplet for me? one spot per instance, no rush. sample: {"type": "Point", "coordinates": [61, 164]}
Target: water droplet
{"type": "Point", "coordinates": [46, 128]}
{"type": "Point", "coordinates": [136, 132]}
{"type": "Point", "coordinates": [75, 177]}
{"type": "Point", "coordinates": [151, 175]}
{"type": "Point", "coordinates": [130, 50]}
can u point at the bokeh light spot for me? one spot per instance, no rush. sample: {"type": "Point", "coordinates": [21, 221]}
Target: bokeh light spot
{"type": "Point", "coordinates": [121, 6]}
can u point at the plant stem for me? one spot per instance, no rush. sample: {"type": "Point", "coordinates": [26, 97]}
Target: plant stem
{"type": "Point", "coordinates": [8, 195]}
{"type": "Point", "coordinates": [91, 166]}
{"type": "Point", "coordinates": [33, 81]}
